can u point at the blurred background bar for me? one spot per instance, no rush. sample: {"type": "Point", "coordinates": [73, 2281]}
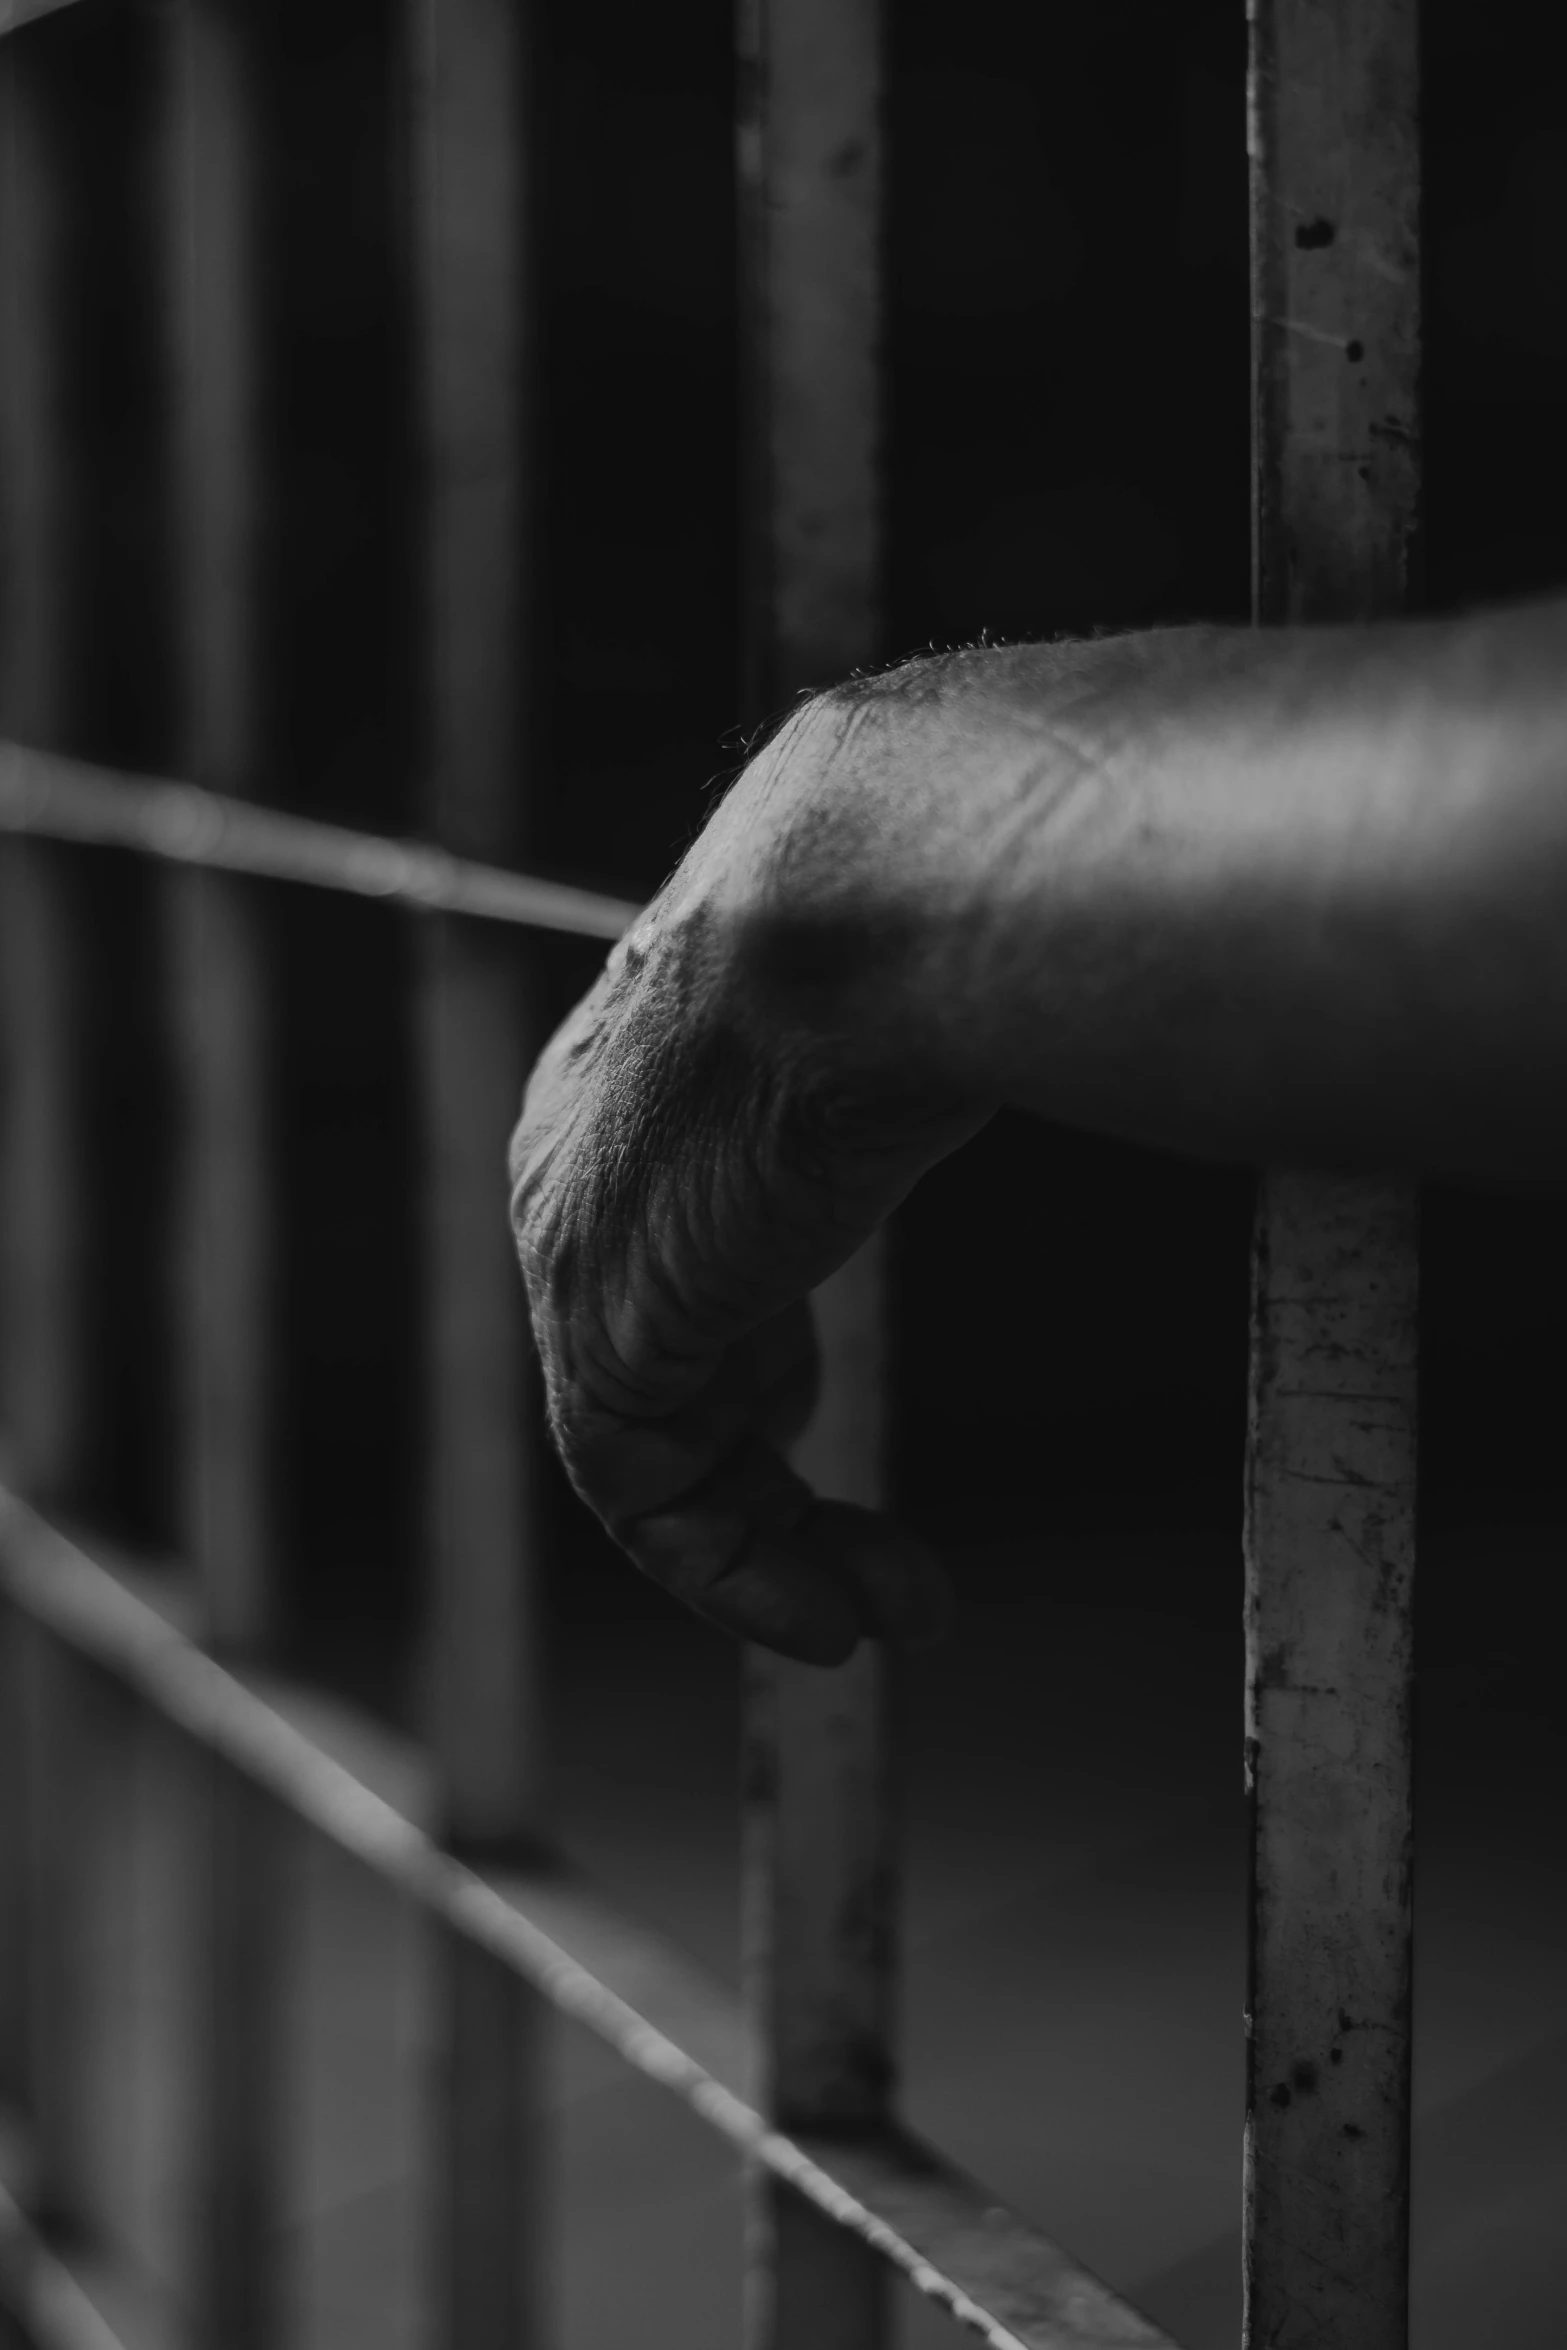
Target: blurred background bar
{"type": "Point", "coordinates": [1331, 1486]}
{"type": "Point", "coordinates": [473, 118]}
{"type": "Point", "coordinates": [1062, 297]}
{"type": "Point", "coordinates": [68, 1721]}
{"type": "Point", "coordinates": [820, 1861]}
{"type": "Point", "coordinates": [55, 1738]}
{"type": "Point", "coordinates": [217, 973]}
{"type": "Point", "coordinates": [217, 946]}
{"type": "Point", "coordinates": [44, 1377]}
{"type": "Point", "coordinates": [240, 2061]}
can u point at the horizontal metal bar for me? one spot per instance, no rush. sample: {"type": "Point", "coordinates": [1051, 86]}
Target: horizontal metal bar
{"type": "Point", "coordinates": [953, 2242]}
{"type": "Point", "coordinates": [67, 799]}
{"type": "Point", "coordinates": [38, 2289]}
{"type": "Point", "coordinates": [15, 13]}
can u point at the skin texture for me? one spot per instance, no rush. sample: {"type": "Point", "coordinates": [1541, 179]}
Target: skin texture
{"type": "Point", "coordinates": [1291, 895]}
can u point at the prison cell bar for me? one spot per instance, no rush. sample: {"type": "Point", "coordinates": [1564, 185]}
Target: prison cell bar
{"type": "Point", "coordinates": [15, 13]}
{"type": "Point", "coordinates": [820, 1862]}
{"type": "Point", "coordinates": [64, 799]}
{"type": "Point", "coordinates": [219, 1018]}
{"type": "Point", "coordinates": [55, 1726]}
{"type": "Point", "coordinates": [1260, 1455]}
{"type": "Point", "coordinates": [41, 1366]}
{"type": "Point", "coordinates": [476, 315]}
{"type": "Point", "coordinates": [955, 2243]}
{"type": "Point", "coordinates": [952, 2241]}
{"type": "Point", "coordinates": [1331, 1457]}
{"type": "Point", "coordinates": [49, 2309]}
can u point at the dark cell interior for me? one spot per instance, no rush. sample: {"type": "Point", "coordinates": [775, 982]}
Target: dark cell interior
{"type": "Point", "coordinates": [1067, 450]}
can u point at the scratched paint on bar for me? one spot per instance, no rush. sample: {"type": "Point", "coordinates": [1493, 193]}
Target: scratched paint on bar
{"type": "Point", "coordinates": [1331, 1464]}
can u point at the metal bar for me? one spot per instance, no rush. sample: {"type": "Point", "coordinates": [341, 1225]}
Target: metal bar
{"type": "Point", "coordinates": [238, 2063]}
{"type": "Point", "coordinates": [819, 1947]}
{"type": "Point", "coordinates": [810, 169]}
{"type": "Point", "coordinates": [42, 1360]}
{"type": "Point", "coordinates": [217, 949]}
{"type": "Point", "coordinates": [42, 1366]}
{"type": "Point", "coordinates": [217, 987]}
{"type": "Point", "coordinates": [953, 2242]}
{"type": "Point", "coordinates": [1331, 1458]}
{"type": "Point", "coordinates": [59, 799]}
{"type": "Point", "coordinates": [15, 1891]}
{"type": "Point", "coordinates": [820, 1882]}
{"type": "Point", "coordinates": [217, 974]}
{"type": "Point", "coordinates": [819, 1854]}
{"type": "Point", "coordinates": [39, 2296]}
{"type": "Point", "coordinates": [67, 1751]}
{"type": "Point", "coordinates": [471, 117]}
{"type": "Point", "coordinates": [42, 1372]}
{"type": "Point", "coordinates": [15, 13]}
{"type": "Point", "coordinates": [486, 1667]}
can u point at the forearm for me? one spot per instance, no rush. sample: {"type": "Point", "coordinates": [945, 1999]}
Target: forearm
{"type": "Point", "coordinates": [1294, 894]}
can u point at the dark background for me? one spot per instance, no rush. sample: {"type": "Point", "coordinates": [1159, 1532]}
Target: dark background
{"type": "Point", "coordinates": [1068, 449]}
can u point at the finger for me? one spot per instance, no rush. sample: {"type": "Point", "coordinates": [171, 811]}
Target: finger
{"type": "Point", "coordinates": [736, 1549]}
{"type": "Point", "coordinates": [753, 1550]}
{"type": "Point", "coordinates": [625, 1465]}
{"type": "Point", "coordinates": [903, 1590]}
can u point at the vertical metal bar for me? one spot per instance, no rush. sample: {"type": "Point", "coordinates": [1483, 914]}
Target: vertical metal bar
{"type": "Point", "coordinates": [15, 1892]}
{"type": "Point", "coordinates": [821, 1882]}
{"type": "Point", "coordinates": [42, 1370]}
{"type": "Point", "coordinates": [471, 123]}
{"type": "Point", "coordinates": [236, 2236]}
{"type": "Point", "coordinates": [217, 975]}
{"type": "Point", "coordinates": [65, 1738]}
{"type": "Point", "coordinates": [1331, 1464]}
{"type": "Point", "coordinates": [216, 947]}
{"type": "Point", "coordinates": [819, 1858]}
{"type": "Point", "coordinates": [53, 1728]}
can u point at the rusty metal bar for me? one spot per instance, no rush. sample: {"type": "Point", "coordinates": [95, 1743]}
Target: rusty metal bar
{"type": "Point", "coordinates": [472, 96]}
{"type": "Point", "coordinates": [953, 2242]}
{"type": "Point", "coordinates": [58, 799]}
{"type": "Point", "coordinates": [1331, 1458]}
{"type": "Point", "coordinates": [218, 979]}
{"type": "Point", "coordinates": [820, 1869]}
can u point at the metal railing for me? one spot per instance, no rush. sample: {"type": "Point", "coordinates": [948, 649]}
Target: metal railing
{"type": "Point", "coordinates": [801, 2078]}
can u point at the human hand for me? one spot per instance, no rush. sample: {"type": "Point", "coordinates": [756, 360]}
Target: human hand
{"type": "Point", "coordinates": [722, 1120]}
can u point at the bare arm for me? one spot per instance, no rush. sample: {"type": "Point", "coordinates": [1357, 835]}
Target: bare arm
{"type": "Point", "coordinates": [1291, 895]}
{"type": "Point", "coordinates": [1281, 895]}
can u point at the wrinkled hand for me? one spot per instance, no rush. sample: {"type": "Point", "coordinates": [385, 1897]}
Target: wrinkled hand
{"type": "Point", "coordinates": [727, 1114]}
